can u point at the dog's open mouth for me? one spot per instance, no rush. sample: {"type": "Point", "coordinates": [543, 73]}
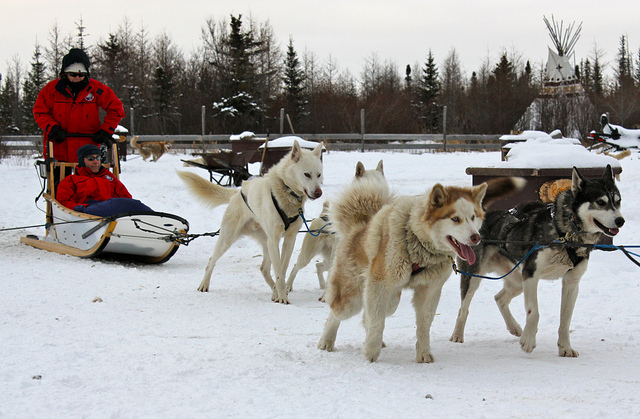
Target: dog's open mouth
{"type": "Point", "coordinates": [463, 250]}
{"type": "Point", "coordinates": [606, 230]}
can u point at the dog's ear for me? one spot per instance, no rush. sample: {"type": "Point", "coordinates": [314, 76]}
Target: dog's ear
{"type": "Point", "coordinates": [380, 168]}
{"type": "Point", "coordinates": [296, 152]}
{"type": "Point", "coordinates": [478, 193]}
{"type": "Point", "coordinates": [438, 196]}
{"type": "Point", "coordinates": [359, 169]}
{"type": "Point", "coordinates": [318, 150]}
{"type": "Point", "coordinates": [607, 176]}
{"type": "Point", "coordinates": [577, 181]}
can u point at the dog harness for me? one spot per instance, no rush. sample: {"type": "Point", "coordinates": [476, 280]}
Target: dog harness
{"type": "Point", "coordinates": [286, 220]}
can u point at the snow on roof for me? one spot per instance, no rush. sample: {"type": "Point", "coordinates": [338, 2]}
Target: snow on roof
{"type": "Point", "coordinates": [540, 150]}
{"type": "Point", "coordinates": [284, 142]}
{"type": "Point", "coordinates": [246, 135]}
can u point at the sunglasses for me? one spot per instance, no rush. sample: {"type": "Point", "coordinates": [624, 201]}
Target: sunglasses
{"type": "Point", "coordinates": [92, 158]}
{"type": "Point", "coordinates": [77, 74]}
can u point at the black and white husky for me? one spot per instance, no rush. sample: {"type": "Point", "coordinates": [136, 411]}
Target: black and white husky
{"type": "Point", "coordinates": [580, 215]}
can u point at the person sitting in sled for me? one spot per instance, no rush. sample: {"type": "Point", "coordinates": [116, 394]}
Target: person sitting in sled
{"type": "Point", "coordinates": [93, 189]}
{"type": "Point", "coordinates": [71, 105]}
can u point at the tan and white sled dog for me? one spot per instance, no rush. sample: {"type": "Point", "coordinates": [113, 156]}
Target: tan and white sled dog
{"type": "Point", "coordinates": [265, 208]}
{"type": "Point", "coordinates": [321, 242]}
{"type": "Point", "coordinates": [150, 148]}
{"type": "Point", "coordinates": [386, 244]}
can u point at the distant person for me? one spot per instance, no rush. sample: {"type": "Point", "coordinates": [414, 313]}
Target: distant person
{"type": "Point", "coordinates": [93, 189]}
{"type": "Point", "coordinates": [71, 105]}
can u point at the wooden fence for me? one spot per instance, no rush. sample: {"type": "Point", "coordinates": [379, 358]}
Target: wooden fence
{"type": "Point", "coordinates": [32, 144]}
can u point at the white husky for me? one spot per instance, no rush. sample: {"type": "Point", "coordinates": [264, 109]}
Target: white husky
{"type": "Point", "coordinates": [322, 242]}
{"type": "Point", "coordinates": [265, 208]}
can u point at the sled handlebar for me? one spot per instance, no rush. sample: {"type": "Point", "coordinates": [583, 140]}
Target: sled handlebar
{"type": "Point", "coordinates": [75, 134]}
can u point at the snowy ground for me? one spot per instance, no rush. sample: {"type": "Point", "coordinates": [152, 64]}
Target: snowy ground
{"type": "Point", "coordinates": [155, 347]}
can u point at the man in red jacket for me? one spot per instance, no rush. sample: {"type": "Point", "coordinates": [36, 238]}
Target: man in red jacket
{"type": "Point", "coordinates": [94, 189]}
{"type": "Point", "coordinates": [71, 105]}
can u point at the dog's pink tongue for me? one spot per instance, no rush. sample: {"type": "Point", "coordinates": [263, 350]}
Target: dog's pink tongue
{"type": "Point", "coordinates": [467, 253]}
{"type": "Point", "coordinates": [614, 231]}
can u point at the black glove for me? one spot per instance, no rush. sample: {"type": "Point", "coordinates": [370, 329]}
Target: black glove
{"type": "Point", "coordinates": [57, 134]}
{"type": "Point", "coordinates": [103, 137]}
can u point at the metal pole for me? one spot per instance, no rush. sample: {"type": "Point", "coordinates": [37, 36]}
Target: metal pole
{"type": "Point", "coordinates": [281, 121]}
{"type": "Point", "coordinates": [131, 117]}
{"type": "Point", "coordinates": [204, 112]}
{"type": "Point", "coordinates": [444, 128]}
{"type": "Point", "coordinates": [362, 129]}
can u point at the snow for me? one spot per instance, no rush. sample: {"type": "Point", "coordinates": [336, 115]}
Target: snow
{"type": "Point", "coordinates": [629, 138]}
{"type": "Point", "coordinates": [544, 151]}
{"type": "Point", "coordinates": [287, 142]}
{"type": "Point", "coordinates": [92, 338]}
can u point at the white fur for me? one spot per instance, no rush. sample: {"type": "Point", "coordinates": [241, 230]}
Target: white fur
{"type": "Point", "coordinates": [375, 255]}
{"type": "Point", "coordinates": [300, 173]}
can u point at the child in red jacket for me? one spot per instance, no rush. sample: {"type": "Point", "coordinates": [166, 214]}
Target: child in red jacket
{"type": "Point", "coordinates": [94, 189]}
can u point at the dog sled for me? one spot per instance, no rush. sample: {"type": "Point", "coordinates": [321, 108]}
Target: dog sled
{"type": "Point", "coordinates": [613, 139]}
{"type": "Point", "coordinates": [147, 237]}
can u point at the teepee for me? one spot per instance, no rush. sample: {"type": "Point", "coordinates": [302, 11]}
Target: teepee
{"type": "Point", "coordinates": [562, 103]}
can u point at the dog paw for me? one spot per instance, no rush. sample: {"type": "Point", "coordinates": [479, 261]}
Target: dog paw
{"type": "Point", "coordinates": [372, 353]}
{"type": "Point", "coordinates": [568, 352]}
{"type": "Point", "coordinates": [283, 300]}
{"type": "Point", "coordinates": [528, 344]}
{"type": "Point", "coordinates": [515, 329]}
{"type": "Point", "coordinates": [424, 358]}
{"type": "Point", "coordinates": [326, 345]}
{"type": "Point", "coordinates": [457, 338]}
{"type": "Point", "coordinates": [203, 288]}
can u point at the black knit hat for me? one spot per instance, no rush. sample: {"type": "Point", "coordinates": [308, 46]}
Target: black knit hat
{"type": "Point", "coordinates": [86, 150]}
{"type": "Point", "coordinates": [75, 55]}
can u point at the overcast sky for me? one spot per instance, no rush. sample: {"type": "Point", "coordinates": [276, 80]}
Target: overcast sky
{"type": "Point", "coordinates": [348, 31]}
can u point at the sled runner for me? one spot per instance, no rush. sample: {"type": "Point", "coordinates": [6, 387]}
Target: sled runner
{"type": "Point", "coordinates": [614, 138]}
{"type": "Point", "coordinates": [148, 237]}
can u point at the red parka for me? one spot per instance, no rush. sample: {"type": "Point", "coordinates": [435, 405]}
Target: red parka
{"type": "Point", "coordinates": [56, 105]}
{"type": "Point", "coordinates": [84, 186]}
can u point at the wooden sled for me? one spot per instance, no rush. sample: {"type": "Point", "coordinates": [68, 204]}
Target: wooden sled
{"type": "Point", "coordinates": [148, 237]}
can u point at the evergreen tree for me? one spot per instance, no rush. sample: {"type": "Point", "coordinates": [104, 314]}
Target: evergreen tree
{"type": "Point", "coordinates": [408, 79]}
{"type": "Point", "coordinates": [165, 81]}
{"type": "Point", "coordinates": [238, 109]}
{"type": "Point", "coordinates": [8, 102]}
{"type": "Point", "coordinates": [624, 71]}
{"type": "Point", "coordinates": [35, 81]}
{"type": "Point", "coordinates": [428, 91]}
{"type": "Point", "coordinates": [294, 79]}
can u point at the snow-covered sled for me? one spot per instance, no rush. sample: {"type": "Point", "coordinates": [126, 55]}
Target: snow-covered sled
{"type": "Point", "coordinates": [149, 237]}
{"type": "Point", "coordinates": [614, 138]}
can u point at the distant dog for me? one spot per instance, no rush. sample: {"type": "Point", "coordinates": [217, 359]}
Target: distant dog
{"type": "Point", "coordinates": [150, 148]}
{"type": "Point", "coordinates": [322, 242]}
{"type": "Point", "coordinates": [386, 244]}
{"type": "Point", "coordinates": [266, 208]}
{"type": "Point", "coordinates": [581, 214]}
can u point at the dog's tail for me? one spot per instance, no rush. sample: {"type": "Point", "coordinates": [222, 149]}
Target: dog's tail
{"type": "Point", "coordinates": [208, 193]}
{"type": "Point", "coordinates": [501, 187]}
{"type": "Point", "coordinates": [134, 142]}
{"type": "Point", "coordinates": [359, 202]}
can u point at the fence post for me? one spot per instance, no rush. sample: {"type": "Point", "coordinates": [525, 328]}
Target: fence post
{"type": "Point", "coordinates": [131, 118]}
{"type": "Point", "coordinates": [362, 129]}
{"type": "Point", "coordinates": [281, 121]}
{"type": "Point", "coordinates": [444, 128]}
{"type": "Point", "coordinates": [204, 112]}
